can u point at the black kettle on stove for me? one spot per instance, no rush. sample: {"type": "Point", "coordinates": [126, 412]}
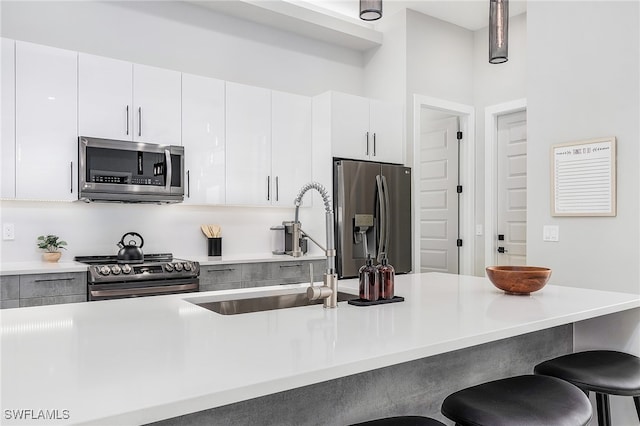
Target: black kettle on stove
{"type": "Point", "coordinates": [130, 251]}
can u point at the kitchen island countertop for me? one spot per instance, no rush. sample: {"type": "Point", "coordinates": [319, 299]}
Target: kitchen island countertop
{"type": "Point", "coordinates": [136, 361]}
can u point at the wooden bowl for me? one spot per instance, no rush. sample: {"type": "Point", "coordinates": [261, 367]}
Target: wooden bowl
{"type": "Point", "coordinates": [518, 279]}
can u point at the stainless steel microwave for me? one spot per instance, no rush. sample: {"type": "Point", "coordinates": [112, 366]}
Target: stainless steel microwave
{"type": "Point", "coordinates": [130, 172]}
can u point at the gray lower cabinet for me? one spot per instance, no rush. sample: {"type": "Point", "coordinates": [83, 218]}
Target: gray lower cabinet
{"type": "Point", "coordinates": [9, 291]}
{"type": "Point", "coordinates": [50, 289]}
{"type": "Point", "coordinates": [220, 277]}
{"type": "Point", "coordinates": [245, 275]}
{"type": "Point", "coordinates": [43, 289]}
{"type": "Point", "coordinates": [274, 273]}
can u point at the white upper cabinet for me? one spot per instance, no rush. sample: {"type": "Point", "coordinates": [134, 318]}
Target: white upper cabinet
{"type": "Point", "coordinates": [105, 88]}
{"type": "Point", "coordinates": [46, 122]}
{"type": "Point", "coordinates": [268, 145]}
{"type": "Point", "coordinates": [349, 126]}
{"type": "Point", "coordinates": [8, 144]}
{"type": "Point", "coordinates": [248, 161]}
{"type": "Point", "coordinates": [361, 128]}
{"type": "Point", "coordinates": [385, 132]}
{"type": "Point", "coordinates": [125, 101]}
{"type": "Point", "coordinates": [203, 138]}
{"type": "Point", "coordinates": [156, 105]}
{"type": "Point", "coordinates": [291, 147]}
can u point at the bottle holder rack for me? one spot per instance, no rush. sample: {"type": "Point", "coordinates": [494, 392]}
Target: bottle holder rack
{"type": "Point", "coordinates": [361, 302]}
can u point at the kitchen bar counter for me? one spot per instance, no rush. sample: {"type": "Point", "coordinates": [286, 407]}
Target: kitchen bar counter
{"type": "Point", "coordinates": [141, 360]}
{"type": "Point", "coordinates": [38, 267]}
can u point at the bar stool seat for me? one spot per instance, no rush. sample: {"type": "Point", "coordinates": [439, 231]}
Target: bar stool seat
{"type": "Point", "coordinates": [601, 371]}
{"type": "Point", "coordinates": [520, 400]}
{"type": "Point", "coordinates": [402, 421]}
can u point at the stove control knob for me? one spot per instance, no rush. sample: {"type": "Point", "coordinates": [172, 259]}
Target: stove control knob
{"type": "Point", "coordinates": [104, 270]}
{"type": "Point", "coordinates": [126, 269]}
{"type": "Point", "coordinates": [178, 266]}
{"type": "Point", "coordinates": [115, 269]}
{"type": "Point", "coordinates": [168, 267]}
{"type": "Point", "coordinates": [187, 266]}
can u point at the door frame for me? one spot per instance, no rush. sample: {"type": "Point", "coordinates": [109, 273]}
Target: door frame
{"type": "Point", "coordinates": [467, 176]}
{"type": "Point", "coordinates": [491, 114]}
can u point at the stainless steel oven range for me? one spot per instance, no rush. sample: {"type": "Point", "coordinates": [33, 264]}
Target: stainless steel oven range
{"type": "Point", "coordinates": [158, 274]}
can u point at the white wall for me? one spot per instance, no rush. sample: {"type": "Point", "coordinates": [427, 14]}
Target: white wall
{"type": "Point", "coordinates": [583, 82]}
{"type": "Point", "coordinates": [439, 64]}
{"type": "Point", "coordinates": [494, 84]}
{"type": "Point", "coordinates": [94, 229]}
{"type": "Point", "coordinates": [187, 38]}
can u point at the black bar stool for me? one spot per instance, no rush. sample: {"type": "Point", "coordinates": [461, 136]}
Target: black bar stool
{"type": "Point", "coordinates": [603, 372]}
{"type": "Point", "coordinates": [402, 421]}
{"type": "Point", "coordinates": [520, 400]}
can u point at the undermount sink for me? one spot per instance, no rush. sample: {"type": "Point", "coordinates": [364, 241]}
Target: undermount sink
{"type": "Point", "coordinates": [266, 303]}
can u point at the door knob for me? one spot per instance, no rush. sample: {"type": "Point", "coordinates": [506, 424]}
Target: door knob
{"type": "Point", "coordinates": [502, 250]}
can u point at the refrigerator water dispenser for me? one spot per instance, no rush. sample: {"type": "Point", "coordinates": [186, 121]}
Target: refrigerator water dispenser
{"type": "Point", "coordinates": [364, 236]}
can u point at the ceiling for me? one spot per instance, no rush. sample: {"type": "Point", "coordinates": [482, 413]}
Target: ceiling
{"type": "Point", "coordinates": [469, 14]}
{"type": "Point", "coordinates": [337, 21]}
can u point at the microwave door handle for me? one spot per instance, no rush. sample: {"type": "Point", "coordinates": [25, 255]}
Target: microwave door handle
{"type": "Point", "coordinates": [167, 159]}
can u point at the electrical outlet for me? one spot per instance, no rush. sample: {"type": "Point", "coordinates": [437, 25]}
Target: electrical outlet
{"type": "Point", "coordinates": [550, 233]}
{"type": "Point", "coordinates": [8, 231]}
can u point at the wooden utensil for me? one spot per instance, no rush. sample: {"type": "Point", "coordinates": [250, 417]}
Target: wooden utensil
{"type": "Point", "coordinates": [206, 231]}
{"type": "Point", "coordinates": [211, 231]}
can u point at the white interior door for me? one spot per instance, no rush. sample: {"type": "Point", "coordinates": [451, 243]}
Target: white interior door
{"type": "Point", "coordinates": [438, 195]}
{"type": "Point", "coordinates": [511, 239]}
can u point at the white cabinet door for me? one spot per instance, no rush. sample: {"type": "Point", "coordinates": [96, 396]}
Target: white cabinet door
{"type": "Point", "coordinates": [203, 138]}
{"type": "Point", "coordinates": [291, 147]}
{"type": "Point", "coordinates": [46, 122]}
{"type": "Point", "coordinates": [385, 132]}
{"type": "Point", "coordinates": [156, 100]}
{"type": "Point", "coordinates": [350, 126]}
{"type": "Point", "coordinates": [248, 124]}
{"type": "Point", "coordinates": [8, 144]}
{"type": "Point", "coordinates": [105, 93]}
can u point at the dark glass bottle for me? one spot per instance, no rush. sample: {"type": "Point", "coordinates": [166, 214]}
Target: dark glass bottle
{"type": "Point", "coordinates": [386, 276]}
{"type": "Point", "coordinates": [369, 284]}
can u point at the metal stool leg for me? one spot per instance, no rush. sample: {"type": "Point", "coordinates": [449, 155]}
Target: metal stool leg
{"type": "Point", "coordinates": [604, 414]}
{"type": "Point", "coordinates": [636, 400]}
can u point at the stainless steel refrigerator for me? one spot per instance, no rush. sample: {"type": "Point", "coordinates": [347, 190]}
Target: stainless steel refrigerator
{"type": "Point", "coordinates": [372, 204]}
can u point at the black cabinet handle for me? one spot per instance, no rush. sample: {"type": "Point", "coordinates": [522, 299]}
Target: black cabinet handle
{"type": "Point", "coordinates": [53, 279]}
{"type": "Point", "coordinates": [291, 266]}
{"type": "Point", "coordinates": [210, 271]}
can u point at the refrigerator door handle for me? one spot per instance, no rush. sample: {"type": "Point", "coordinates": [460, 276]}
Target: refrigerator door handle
{"type": "Point", "coordinates": [387, 210]}
{"type": "Point", "coordinates": [383, 215]}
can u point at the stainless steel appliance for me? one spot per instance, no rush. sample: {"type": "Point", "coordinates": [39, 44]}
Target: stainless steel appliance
{"type": "Point", "coordinates": [126, 171]}
{"type": "Point", "coordinates": [108, 278]}
{"type": "Point", "coordinates": [372, 203]}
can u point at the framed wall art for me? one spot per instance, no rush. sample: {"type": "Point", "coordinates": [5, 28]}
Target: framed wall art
{"type": "Point", "coordinates": [583, 178]}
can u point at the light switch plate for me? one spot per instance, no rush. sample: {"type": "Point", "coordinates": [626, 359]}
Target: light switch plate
{"type": "Point", "coordinates": [550, 233]}
{"type": "Point", "coordinates": [8, 231]}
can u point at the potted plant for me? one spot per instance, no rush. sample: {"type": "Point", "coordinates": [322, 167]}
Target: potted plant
{"type": "Point", "coordinates": [51, 244]}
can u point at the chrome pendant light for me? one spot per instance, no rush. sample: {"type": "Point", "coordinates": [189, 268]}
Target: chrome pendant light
{"type": "Point", "coordinates": [498, 31]}
{"type": "Point", "coordinates": [370, 10]}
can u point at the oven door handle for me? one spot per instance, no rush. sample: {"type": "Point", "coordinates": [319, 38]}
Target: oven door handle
{"type": "Point", "coordinates": [145, 290]}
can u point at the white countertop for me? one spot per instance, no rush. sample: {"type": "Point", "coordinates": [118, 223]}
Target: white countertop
{"type": "Point", "coordinates": [141, 360]}
{"type": "Point", "coordinates": [39, 267]}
